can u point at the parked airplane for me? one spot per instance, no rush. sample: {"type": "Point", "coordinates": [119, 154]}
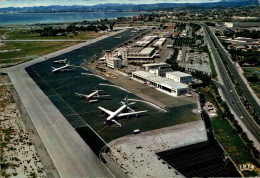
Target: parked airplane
{"type": "Point", "coordinates": [118, 37]}
{"type": "Point", "coordinates": [64, 61]}
{"type": "Point", "coordinates": [92, 97]}
{"type": "Point", "coordinates": [64, 68]}
{"type": "Point", "coordinates": [118, 112]}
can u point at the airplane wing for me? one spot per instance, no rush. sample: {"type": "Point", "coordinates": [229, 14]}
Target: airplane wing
{"type": "Point", "coordinates": [81, 95]}
{"type": "Point", "coordinates": [106, 110]}
{"type": "Point", "coordinates": [130, 113]}
{"type": "Point", "coordinates": [117, 123]}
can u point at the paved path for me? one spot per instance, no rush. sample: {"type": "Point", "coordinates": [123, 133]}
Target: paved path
{"type": "Point", "coordinates": [71, 156]}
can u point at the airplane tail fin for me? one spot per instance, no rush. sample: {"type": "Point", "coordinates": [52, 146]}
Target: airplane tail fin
{"type": "Point", "coordinates": [126, 100]}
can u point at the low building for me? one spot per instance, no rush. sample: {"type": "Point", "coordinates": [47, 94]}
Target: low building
{"type": "Point", "coordinates": [158, 68]}
{"type": "Point", "coordinates": [114, 63]}
{"type": "Point", "coordinates": [145, 41]}
{"type": "Point", "coordinates": [155, 65]}
{"type": "Point", "coordinates": [228, 24]}
{"type": "Point", "coordinates": [160, 42]}
{"type": "Point", "coordinates": [179, 77]}
{"type": "Point", "coordinates": [137, 54]}
{"type": "Point", "coordinates": [162, 83]}
{"type": "Point", "coordinates": [161, 71]}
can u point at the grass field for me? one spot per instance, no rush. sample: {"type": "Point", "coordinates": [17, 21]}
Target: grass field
{"type": "Point", "coordinates": [25, 34]}
{"type": "Point", "coordinates": [22, 51]}
{"type": "Point", "coordinates": [256, 85]}
{"type": "Point", "coordinates": [233, 144]}
{"type": "Point", "coordinates": [212, 67]}
{"type": "Point", "coordinates": [15, 52]}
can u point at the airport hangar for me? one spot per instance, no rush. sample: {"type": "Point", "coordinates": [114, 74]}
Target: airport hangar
{"type": "Point", "coordinates": [162, 83]}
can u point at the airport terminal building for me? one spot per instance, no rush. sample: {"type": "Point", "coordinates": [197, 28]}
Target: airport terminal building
{"type": "Point", "coordinates": [162, 83]}
{"type": "Point", "coordinates": [180, 77]}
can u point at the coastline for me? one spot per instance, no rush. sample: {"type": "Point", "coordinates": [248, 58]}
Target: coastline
{"type": "Point", "coordinates": [67, 17]}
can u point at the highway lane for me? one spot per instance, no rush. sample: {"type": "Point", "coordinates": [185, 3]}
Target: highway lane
{"type": "Point", "coordinates": [231, 94]}
{"type": "Point", "coordinates": [247, 94]}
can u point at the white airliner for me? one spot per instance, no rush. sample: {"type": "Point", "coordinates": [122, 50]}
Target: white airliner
{"type": "Point", "coordinates": [64, 61]}
{"type": "Point", "coordinates": [118, 112]}
{"type": "Point", "coordinates": [92, 97]}
{"type": "Point", "coordinates": [62, 68]}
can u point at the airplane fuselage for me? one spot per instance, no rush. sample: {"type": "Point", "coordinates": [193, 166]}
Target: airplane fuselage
{"type": "Point", "coordinates": [60, 68]}
{"type": "Point", "coordinates": [118, 111]}
{"type": "Point", "coordinates": [91, 95]}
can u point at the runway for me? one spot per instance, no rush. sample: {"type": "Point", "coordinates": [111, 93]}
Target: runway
{"type": "Point", "coordinates": [71, 156]}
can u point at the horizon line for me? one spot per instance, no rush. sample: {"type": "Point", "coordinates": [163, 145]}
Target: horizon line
{"type": "Point", "coordinates": [177, 2]}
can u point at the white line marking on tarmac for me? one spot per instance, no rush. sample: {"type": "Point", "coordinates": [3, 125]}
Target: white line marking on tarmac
{"type": "Point", "coordinates": [104, 84]}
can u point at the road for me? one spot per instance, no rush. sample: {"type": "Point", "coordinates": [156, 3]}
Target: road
{"type": "Point", "coordinates": [71, 156]}
{"type": "Point", "coordinates": [228, 89]}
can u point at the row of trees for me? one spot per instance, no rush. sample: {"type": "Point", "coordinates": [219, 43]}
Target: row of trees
{"type": "Point", "coordinates": [253, 78]}
{"type": "Point", "coordinates": [245, 33]}
{"type": "Point", "coordinates": [195, 27]}
{"type": "Point", "coordinates": [50, 31]}
{"type": "Point", "coordinates": [206, 79]}
{"type": "Point", "coordinates": [179, 42]}
{"type": "Point", "coordinates": [249, 57]}
{"type": "Point", "coordinates": [210, 24]}
{"type": "Point", "coordinates": [172, 61]}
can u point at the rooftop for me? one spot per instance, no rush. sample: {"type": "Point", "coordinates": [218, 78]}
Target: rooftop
{"type": "Point", "coordinates": [160, 80]}
{"type": "Point", "coordinates": [146, 40]}
{"type": "Point", "coordinates": [146, 50]}
{"type": "Point", "coordinates": [160, 42]}
{"type": "Point", "coordinates": [179, 74]}
{"type": "Point", "coordinates": [154, 64]}
{"type": "Point", "coordinates": [113, 59]}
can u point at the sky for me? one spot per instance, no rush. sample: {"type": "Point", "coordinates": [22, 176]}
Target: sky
{"type": "Point", "coordinates": [28, 3]}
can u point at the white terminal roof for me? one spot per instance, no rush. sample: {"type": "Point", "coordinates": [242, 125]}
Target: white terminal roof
{"type": "Point", "coordinates": [160, 42]}
{"type": "Point", "coordinates": [154, 64]}
{"type": "Point", "coordinates": [145, 40]}
{"type": "Point", "coordinates": [113, 59]}
{"type": "Point", "coordinates": [146, 50]}
{"type": "Point", "coordinates": [160, 80]}
{"type": "Point", "coordinates": [179, 74]}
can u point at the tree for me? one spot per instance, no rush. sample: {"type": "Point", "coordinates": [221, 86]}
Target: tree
{"type": "Point", "coordinates": [111, 26]}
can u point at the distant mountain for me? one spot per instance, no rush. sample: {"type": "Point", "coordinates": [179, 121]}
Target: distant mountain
{"type": "Point", "coordinates": [124, 7]}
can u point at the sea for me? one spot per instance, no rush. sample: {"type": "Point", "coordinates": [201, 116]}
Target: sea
{"type": "Point", "coordinates": [66, 17]}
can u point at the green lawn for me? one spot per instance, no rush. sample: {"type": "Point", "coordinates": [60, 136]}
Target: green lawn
{"type": "Point", "coordinates": [212, 67]}
{"type": "Point", "coordinates": [23, 51]}
{"type": "Point", "coordinates": [29, 50]}
{"type": "Point", "coordinates": [25, 34]}
{"type": "Point", "coordinates": [233, 144]}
